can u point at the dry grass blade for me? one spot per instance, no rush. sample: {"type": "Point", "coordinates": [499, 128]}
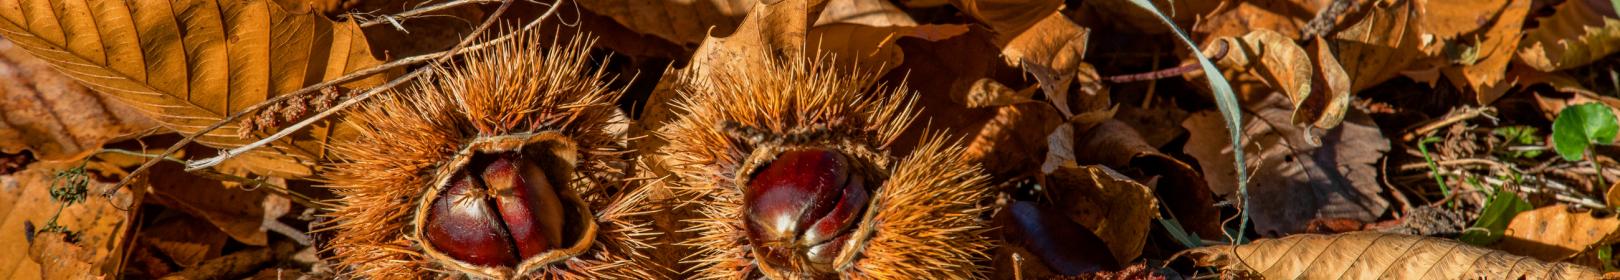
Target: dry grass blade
{"type": "Point", "coordinates": [1372, 255]}
{"type": "Point", "coordinates": [190, 64]}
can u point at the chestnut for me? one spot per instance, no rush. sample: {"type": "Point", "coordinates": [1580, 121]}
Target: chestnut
{"type": "Point", "coordinates": [497, 212]}
{"type": "Point", "coordinates": [800, 209]}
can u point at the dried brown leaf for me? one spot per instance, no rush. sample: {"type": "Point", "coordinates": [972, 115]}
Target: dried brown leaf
{"type": "Point", "coordinates": [1554, 233]}
{"type": "Point", "coordinates": [1014, 140]}
{"type": "Point", "coordinates": [1330, 92]}
{"type": "Point", "coordinates": [51, 115]}
{"type": "Point", "coordinates": [189, 64]}
{"type": "Point", "coordinates": [1383, 42]}
{"type": "Point", "coordinates": [871, 48]}
{"type": "Point", "coordinates": [1008, 18]}
{"type": "Point", "coordinates": [1295, 179]}
{"type": "Point", "coordinates": [235, 211]}
{"type": "Point", "coordinates": [1050, 50]}
{"type": "Point", "coordinates": [875, 13]}
{"type": "Point", "coordinates": [1552, 103]}
{"type": "Point", "coordinates": [682, 22]}
{"type": "Point", "coordinates": [100, 223]}
{"type": "Point", "coordinates": [1575, 35]}
{"type": "Point", "coordinates": [1372, 255]}
{"type": "Point", "coordinates": [1183, 190]}
{"type": "Point", "coordinates": [1264, 61]}
{"type": "Point", "coordinates": [1114, 206]}
{"type": "Point", "coordinates": [59, 258]}
{"type": "Point", "coordinates": [987, 93]}
{"type": "Point", "coordinates": [1236, 18]}
{"type": "Point", "coordinates": [1479, 62]}
{"type": "Point", "coordinates": [185, 240]}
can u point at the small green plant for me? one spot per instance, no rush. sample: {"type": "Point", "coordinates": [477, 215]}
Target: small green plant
{"type": "Point", "coordinates": [67, 188]}
{"type": "Point", "coordinates": [1519, 135]}
{"type": "Point", "coordinates": [1500, 208]}
{"type": "Point", "coordinates": [1579, 127]}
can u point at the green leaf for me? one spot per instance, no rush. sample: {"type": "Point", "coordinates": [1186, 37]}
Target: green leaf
{"type": "Point", "coordinates": [1225, 101]}
{"type": "Point", "coordinates": [1580, 126]}
{"type": "Point", "coordinates": [1518, 135]}
{"type": "Point", "coordinates": [1499, 210]}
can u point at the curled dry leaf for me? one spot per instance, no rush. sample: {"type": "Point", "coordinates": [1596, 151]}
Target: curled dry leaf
{"type": "Point", "coordinates": [1008, 18]}
{"type": "Point", "coordinates": [1372, 255]}
{"type": "Point", "coordinates": [1118, 145]}
{"type": "Point", "coordinates": [1050, 50]}
{"type": "Point", "coordinates": [1575, 35]}
{"type": "Point", "coordinates": [1041, 242]}
{"type": "Point", "coordinates": [1382, 43]}
{"type": "Point", "coordinates": [51, 115]}
{"type": "Point", "coordinates": [1236, 18]}
{"type": "Point", "coordinates": [1552, 103]}
{"type": "Point", "coordinates": [1264, 61]}
{"type": "Point", "coordinates": [99, 223]}
{"type": "Point", "coordinates": [1324, 108]}
{"type": "Point", "coordinates": [1479, 62]}
{"type": "Point", "coordinates": [1118, 209]}
{"type": "Point", "coordinates": [1296, 180]}
{"type": "Point", "coordinates": [190, 64]}
{"type": "Point", "coordinates": [1553, 233]}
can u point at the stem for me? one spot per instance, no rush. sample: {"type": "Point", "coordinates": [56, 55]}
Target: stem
{"type": "Point", "coordinates": [1592, 157]}
{"type": "Point", "coordinates": [1220, 52]}
{"type": "Point", "coordinates": [1434, 168]}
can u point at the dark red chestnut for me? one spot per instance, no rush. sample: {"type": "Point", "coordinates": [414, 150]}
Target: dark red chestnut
{"type": "Point", "coordinates": [800, 209]}
{"type": "Point", "coordinates": [499, 211]}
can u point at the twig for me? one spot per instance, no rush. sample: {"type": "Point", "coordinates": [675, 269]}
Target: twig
{"type": "Point", "coordinates": [1220, 52]}
{"type": "Point", "coordinates": [291, 195]}
{"type": "Point", "coordinates": [317, 87]}
{"type": "Point", "coordinates": [1463, 114]}
{"type": "Point", "coordinates": [388, 19]}
{"type": "Point", "coordinates": [210, 162]}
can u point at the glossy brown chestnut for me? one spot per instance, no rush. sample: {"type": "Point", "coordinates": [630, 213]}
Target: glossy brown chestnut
{"type": "Point", "coordinates": [508, 212]}
{"type": "Point", "coordinates": [800, 209]}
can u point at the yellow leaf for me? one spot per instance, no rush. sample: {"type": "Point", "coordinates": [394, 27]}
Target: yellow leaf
{"type": "Point", "coordinates": [188, 64]}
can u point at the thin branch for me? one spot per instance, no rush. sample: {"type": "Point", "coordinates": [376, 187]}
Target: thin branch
{"type": "Point", "coordinates": [317, 87]}
{"type": "Point", "coordinates": [388, 19]}
{"type": "Point", "coordinates": [1220, 52]}
{"type": "Point", "coordinates": [295, 197]}
{"type": "Point", "coordinates": [1463, 114]}
{"type": "Point", "coordinates": [210, 162]}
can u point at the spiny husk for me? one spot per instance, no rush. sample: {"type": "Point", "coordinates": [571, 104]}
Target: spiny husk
{"type": "Point", "coordinates": [923, 222]}
{"type": "Point", "coordinates": [518, 87]}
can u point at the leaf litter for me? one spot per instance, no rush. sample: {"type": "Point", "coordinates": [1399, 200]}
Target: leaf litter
{"type": "Point", "coordinates": [1418, 135]}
